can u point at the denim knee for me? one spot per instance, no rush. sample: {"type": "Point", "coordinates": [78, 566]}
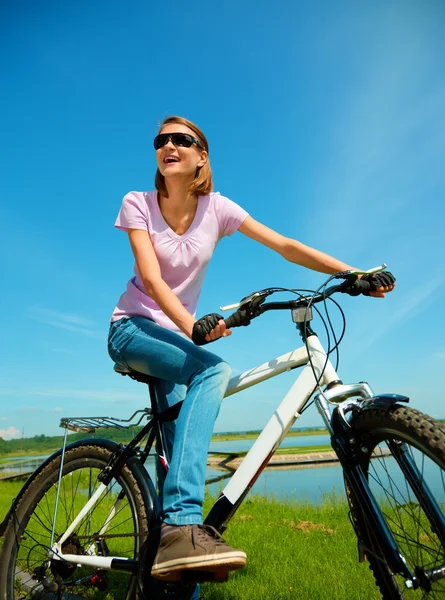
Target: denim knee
{"type": "Point", "coordinates": [224, 370]}
{"type": "Point", "coordinates": [220, 370]}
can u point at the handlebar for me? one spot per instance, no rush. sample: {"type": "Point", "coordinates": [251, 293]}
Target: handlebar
{"type": "Point", "coordinates": [254, 305]}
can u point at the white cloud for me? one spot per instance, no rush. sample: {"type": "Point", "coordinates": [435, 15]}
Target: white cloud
{"type": "Point", "coordinates": [3, 418]}
{"type": "Point", "coordinates": [419, 299]}
{"type": "Point", "coordinates": [69, 318]}
{"type": "Point", "coordinates": [414, 303]}
{"type": "Point", "coordinates": [68, 321]}
{"type": "Point", "coordinates": [10, 433]}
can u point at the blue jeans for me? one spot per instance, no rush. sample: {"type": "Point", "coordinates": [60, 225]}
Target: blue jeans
{"type": "Point", "coordinates": [185, 372]}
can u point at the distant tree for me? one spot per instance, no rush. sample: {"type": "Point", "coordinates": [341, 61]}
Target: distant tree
{"type": "Point", "coordinates": [4, 448]}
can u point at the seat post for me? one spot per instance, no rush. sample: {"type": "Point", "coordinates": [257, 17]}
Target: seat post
{"type": "Point", "coordinates": [153, 396]}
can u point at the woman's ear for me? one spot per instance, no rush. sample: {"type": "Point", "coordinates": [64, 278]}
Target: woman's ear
{"type": "Point", "coordinates": [203, 159]}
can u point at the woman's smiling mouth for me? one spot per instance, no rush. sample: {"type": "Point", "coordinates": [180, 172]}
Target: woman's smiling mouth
{"type": "Point", "coordinates": [169, 159]}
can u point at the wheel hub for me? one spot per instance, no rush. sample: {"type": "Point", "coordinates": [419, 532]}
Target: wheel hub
{"type": "Point", "coordinates": [62, 569]}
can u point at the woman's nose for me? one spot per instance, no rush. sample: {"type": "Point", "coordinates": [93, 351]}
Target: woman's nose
{"type": "Point", "coordinates": [169, 142]}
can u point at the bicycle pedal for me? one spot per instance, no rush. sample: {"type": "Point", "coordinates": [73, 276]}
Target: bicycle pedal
{"type": "Point", "coordinates": [205, 576]}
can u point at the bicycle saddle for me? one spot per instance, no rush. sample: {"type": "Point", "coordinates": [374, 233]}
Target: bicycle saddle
{"type": "Point", "coordinates": [136, 375]}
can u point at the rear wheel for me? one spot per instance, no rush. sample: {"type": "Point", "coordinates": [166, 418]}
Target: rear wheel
{"type": "Point", "coordinates": [115, 526]}
{"type": "Point", "coordinates": [420, 541]}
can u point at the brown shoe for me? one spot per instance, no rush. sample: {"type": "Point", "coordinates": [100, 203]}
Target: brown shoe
{"type": "Point", "coordinates": [194, 548]}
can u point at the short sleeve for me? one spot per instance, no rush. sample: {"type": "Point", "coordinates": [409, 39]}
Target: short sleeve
{"type": "Point", "coordinates": [229, 214]}
{"type": "Point", "coordinates": [133, 213]}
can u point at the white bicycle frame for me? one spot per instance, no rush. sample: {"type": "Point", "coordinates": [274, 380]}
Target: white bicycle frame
{"type": "Point", "coordinates": [316, 373]}
{"type": "Point", "coordinates": [319, 373]}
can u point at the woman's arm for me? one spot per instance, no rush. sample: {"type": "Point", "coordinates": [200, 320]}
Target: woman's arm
{"type": "Point", "coordinates": [155, 286]}
{"type": "Point", "coordinates": [298, 253]}
{"type": "Point", "coordinates": [292, 250]}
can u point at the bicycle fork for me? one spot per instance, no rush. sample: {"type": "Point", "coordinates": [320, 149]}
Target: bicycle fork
{"type": "Point", "coordinates": [358, 484]}
{"type": "Point", "coordinates": [347, 451]}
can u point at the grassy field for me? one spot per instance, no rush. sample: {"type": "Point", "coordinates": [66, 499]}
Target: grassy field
{"type": "Point", "coordinates": [287, 450]}
{"type": "Point", "coordinates": [8, 491]}
{"type": "Point", "coordinates": [217, 437]}
{"type": "Point", "coordinates": [252, 435]}
{"type": "Point", "coordinates": [295, 551]}
{"type": "Point", "coordinates": [6, 457]}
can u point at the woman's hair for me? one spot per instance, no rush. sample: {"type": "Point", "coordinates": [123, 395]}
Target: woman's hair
{"type": "Point", "coordinates": [202, 184]}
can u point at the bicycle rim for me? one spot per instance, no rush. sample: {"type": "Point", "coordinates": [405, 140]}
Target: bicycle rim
{"type": "Point", "coordinates": [414, 532]}
{"type": "Point", "coordinates": [115, 526]}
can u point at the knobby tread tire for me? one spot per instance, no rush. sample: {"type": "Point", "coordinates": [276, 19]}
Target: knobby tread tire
{"type": "Point", "coordinates": [370, 427]}
{"type": "Point", "coordinates": [75, 459]}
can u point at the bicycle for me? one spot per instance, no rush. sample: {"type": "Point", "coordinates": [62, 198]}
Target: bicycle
{"type": "Point", "coordinates": [89, 518]}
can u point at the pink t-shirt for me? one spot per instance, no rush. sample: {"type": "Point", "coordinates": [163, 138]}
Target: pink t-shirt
{"type": "Point", "coordinates": [183, 259]}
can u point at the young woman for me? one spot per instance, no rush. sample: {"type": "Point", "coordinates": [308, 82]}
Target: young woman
{"type": "Point", "coordinates": [173, 232]}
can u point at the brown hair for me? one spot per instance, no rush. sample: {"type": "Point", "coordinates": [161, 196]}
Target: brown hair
{"type": "Point", "coordinates": [202, 184]}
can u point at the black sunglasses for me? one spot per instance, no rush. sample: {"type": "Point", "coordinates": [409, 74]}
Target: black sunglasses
{"type": "Point", "coordinates": [178, 139]}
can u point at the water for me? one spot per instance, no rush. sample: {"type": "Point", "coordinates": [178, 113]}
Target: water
{"type": "Point", "coordinates": [7, 459]}
{"type": "Point", "coordinates": [305, 484]}
{"type": "Point", "coordinates": [302, 484]}
{"type": "Point", "coordinates": [309, 484]}
{"type": "Point", "coordinates": [17, 465]}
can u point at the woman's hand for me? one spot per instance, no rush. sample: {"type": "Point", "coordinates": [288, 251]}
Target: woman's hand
{"type": "Point", "coordinates": [381, 283]}
{"type": "Point", "coordinates": [219, 331]}
{"type": "Point", "coordinates": [381, 291]}
{"type": "Point", "coordinates": [208, 329]}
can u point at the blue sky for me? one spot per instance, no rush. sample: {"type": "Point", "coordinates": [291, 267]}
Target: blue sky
{"type": "Point", "coordinates": [326, 121]}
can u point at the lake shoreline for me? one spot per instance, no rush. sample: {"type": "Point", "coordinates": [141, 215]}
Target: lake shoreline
{"type": "Point", "coordinates": [217, 437]}
{"type": "Point", "coordinates": [252, 435]}
{"type": "Point", "coordinates": [232, 461]}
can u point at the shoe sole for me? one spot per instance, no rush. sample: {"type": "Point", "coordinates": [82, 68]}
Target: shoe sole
{"type": "Point", "coordinates": [194, 576]}
{"type": "Point", "coordinates": [172, 570]}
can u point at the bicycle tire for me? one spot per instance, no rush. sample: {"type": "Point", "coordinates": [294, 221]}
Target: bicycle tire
{"type": "Point", "coordinates": [424, 438]}
{"type": "Point", "coordinates": [25, 570]}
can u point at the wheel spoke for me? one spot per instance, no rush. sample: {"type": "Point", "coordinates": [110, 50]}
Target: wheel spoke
{"type": "Point", "coordinates": [31, 569]}
{"type": "Point", "coordinates": [403, 491]}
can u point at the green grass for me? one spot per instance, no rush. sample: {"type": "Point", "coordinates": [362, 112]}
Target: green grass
{"type": "Point", "coordinates": [73, 494]}
{"type": "Point", "coordinates": [295, 551]}
{"type": "Point", "coordinates": [303, 449]}
{"type": "Point", "coordinates": [36, 446]}
{"type": "Point", "coordinates": [286, 450]}
{"type": "Point", "coordinates": [252, 435]}
{"type": "Point", "coordinates": [24, 453]}
{"type": "Point", "coordinates": [8, 491]}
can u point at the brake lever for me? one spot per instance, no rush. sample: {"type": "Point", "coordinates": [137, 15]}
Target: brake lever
{"type": "Point", "coordinates": [255, 299]}
{"type": "Point", "coordinates": [355, 274]}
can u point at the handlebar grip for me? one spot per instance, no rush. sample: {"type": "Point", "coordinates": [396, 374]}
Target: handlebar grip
{"type": "Point", "coordinates": [230, 321]}
{"type": "Point", "coordinates": [359, 287]}
{"type": "Point", "coordinates": [240, 318]}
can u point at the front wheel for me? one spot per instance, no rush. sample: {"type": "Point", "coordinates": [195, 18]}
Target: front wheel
{"type": "Point", "coordinates": [382, 435]}
{"type": "Point", "coordinates": [116, 525]}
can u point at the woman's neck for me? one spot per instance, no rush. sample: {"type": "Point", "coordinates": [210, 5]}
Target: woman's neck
{"type": "Point", "coordinates": [179, 197]}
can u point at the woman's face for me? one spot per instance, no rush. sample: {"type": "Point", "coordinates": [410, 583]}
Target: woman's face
{"type": "Point", "coordinates": [178, 161]}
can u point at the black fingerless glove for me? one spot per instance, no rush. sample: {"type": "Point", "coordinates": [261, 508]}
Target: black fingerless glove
{"type": "Point", "coordinates": [377, 280]}
{"type": "Point", "coordinates": [204, 326]}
